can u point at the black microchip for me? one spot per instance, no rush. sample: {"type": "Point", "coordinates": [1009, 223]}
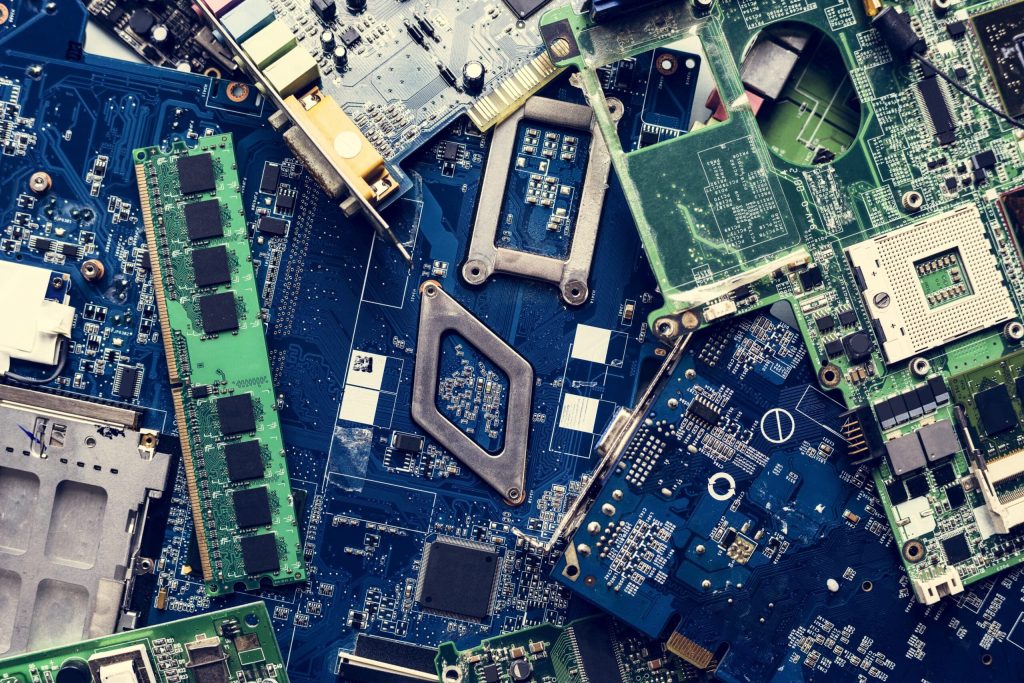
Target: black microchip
{"type": "Point", "coordinates": [811, 278]}
{"type": "Point", "coordinates": [236, 414]}
{"type": "Point", "coordinates": [350, 36]}
{"type": "Point", "coordinates": [203, 220]}
{"type": "Point", "coordinates": [243, 460]}
{"type": "Point", "coordinates": [950, 183]}
{"type": "Point", "coordinates": [596, 646]}
{"type": "Point", "coordinates": [939, 390]}
{"type": "Point", "coordinates": [218, 312]}
{"type": "Point", "coordinates": [210, 266]}
{"type": "Point", "coordinates": [995, 410]}
{"type": "Point", "coordinates": [272, 226]}
{"type": "Point", "coordinates": [825, 323]}
{"type": "Point", "coordinates": [956, 549]}
{"type": "Point", "coordinates": [897, 492]}
{"type": "Point", "coordinates": [195, 173]}
{"type": "Point", "coordinates": [956, 29]}
{"type": "Point", "coordinates": [201, 391]}
{"type": "Point", "coordinates": [127, 382]}
{"type": "Point", "coordinates": [1019, 386]}
{"type": "Point", "coordinates": [944, 474]}
{"type": "Point", "coordinates": [886, 417]}
{"type": "Point", "coordinates": [270, 178]}
{"type": "Point", "coordinates": [325, 9]}
{"type": "Point", "coordinates": [491, 673]}
{"type": "Point", "coordinates": [956, 496]}
{"type": "Point", "coordinates": [833, 348]}
{"type": "Point", "coordinates": [141, 21]}
{"type": "Point", "coordinates": [252, 507]}
{"type": "Point", "coordinates": [937, 108]}
{"type": "Point", "coordinates": [259, 554]}
{"type": "Point", "coordinates": [285, 200]}
{"type": "Point", "coordinates": [524, 8]}
{"type": "Point", "coordinates": [999, 33]}
{"type": "Point", "coordinates": [917, 486]}
{"type": "Point", "coordinates": [985, 159]}
{"type": "Point", "coordinates": [847, 318]}
{"type": "Point", "coordinates": [703, 411]}
{"type": "Point", "coordinates": [449, 151]}
{"type": "Point", "coordinates": [41, 244]}
{"type": "Point", "coordinates": [407, 443]}
{"type": "Point", "coordinates": [458, 579]}
{"type": "Point", "coordinates": [69, 249]}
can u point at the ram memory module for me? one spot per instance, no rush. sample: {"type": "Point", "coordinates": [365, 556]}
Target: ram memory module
{"type": "Point", "coordinates": [236, 644]}
{"type": "Point", "coordinates": [246, 525]}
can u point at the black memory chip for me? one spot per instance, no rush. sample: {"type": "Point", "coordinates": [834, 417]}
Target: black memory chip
{"type": "Point", "coordinates": [524, 8]}
{"type": "Point", "coordinates": [270, 178]}
{"type": "Point", "coordinates": [944, 474]}
{"type": "Point", "coordinates": [127, 382]}
{"type": "Point", "coordinates": [995, 410]}
{"type": "Point", "coordinates": [956, 496]}
{"type": "Point", "coordinates": [252, 507]}
{"type": "Point", "coordinates": [243, 460]}
{"type": "Point", "coordinates": [407, 443]}
{"type": "Point", "coordinates": [210, 266]}
{"type": "Point", "coordinates": [458, 579]}
{"type": "Point", "coordinates": [956, 549]}
{"type": "Point", "coordinates": [203, 220]}
{"type": "Point", "coordinates": [236, 414]}
{"type": "Point", "coordinates": [272, 226]}
{"type": "Point", "coordinates": [218, 312]}
{"type": "Point", "coordinates": [259, 554]}
{"type": "Point", "coordinates": [195, 173]}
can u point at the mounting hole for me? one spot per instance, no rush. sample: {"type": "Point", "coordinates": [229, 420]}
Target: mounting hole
{"type": "Point", "coordinates": [90, 441]}
{"type": "Point", "coordinates": [666, 64]}
{"type": "Point", "coordinates": [920, 366]}
{"type": "Point", "coordinates": [913, 200]}
{"type": "Point", "coordinates": [986, 659]}
{"type": "Point", "coordinates": [252, 619]}
{"type": "Point", "coordinates": [866, 586]}
{"type": "Point", "coordinates": [1014, 330]}
{"type": "Point", "coordinates": [452, 674]}
{"type": "Point", "coordinates": [913, 551]}
{"type": "Point", "coordinates": [571, 570]}
{"type": "Point", "coordinates": [830, 376]}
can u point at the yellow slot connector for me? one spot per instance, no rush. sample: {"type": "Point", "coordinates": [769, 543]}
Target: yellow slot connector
{"type": "Point", "coordinates": [872, 7]}
{"type": "Point", "coordinates": [337, 136]}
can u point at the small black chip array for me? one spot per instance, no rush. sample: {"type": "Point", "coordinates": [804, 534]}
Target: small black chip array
{"type": "Point", "coordinates": [912, 404]}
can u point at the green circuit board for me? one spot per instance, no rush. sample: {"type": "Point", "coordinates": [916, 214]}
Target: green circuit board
{"type": "Point", "coordinates": [865, 190]}
{"type": "Point", "coordinates": [583, 650]}
{"type": "Point", "coordinates": [236, 644]}
{"type": "Point", "coordinates": [224, 398]}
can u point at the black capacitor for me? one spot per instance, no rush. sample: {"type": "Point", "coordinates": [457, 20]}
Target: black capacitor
{"type": "Point", "coordinates": [73, 671]}
{"type": "Point", "coordinates": [473, 74]}
{"type": "Point", "coordinates": [327, 40]}
{"type": "Point", "coordinates": [521, 670]}
{"type": "Point", "coordinates": [894, 26]}
{"type": "Point", "coordinates": [340, 56]}
{"type": "Point", "coordinates": [356, 6]}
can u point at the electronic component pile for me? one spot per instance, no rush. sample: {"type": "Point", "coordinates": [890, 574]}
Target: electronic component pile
{"type": "Point", "coordinates": [512, 341]}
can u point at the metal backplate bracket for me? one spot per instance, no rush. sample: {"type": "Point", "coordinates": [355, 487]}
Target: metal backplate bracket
{"type": "Point", "coordinates": [505, 470]}
{"type": "Point", "coordinates": [570, 274]}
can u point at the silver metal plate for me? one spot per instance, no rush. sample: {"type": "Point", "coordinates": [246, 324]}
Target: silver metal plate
{"type": "Point", "coordinates": [505, 470]}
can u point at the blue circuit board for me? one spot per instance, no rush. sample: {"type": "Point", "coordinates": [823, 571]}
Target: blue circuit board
{"type": "Point", "coordinates": [342, 319]}
{"type": "Point", "coordinates": [735, 526]}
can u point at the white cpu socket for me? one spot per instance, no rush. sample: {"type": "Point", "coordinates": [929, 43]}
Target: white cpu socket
{"type": "Point", "coordinates": [931, 283]}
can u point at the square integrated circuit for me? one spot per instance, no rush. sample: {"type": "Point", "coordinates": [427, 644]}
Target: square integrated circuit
{"type": "Point", "coordinates": [1001, 34]}
{"type": "Point", "coordinates": [458, 578]}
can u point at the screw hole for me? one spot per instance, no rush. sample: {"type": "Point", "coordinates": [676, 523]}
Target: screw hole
{"type": "Point", "coordinates": [986, 659]}
{"type": "Point", "coordinates": [867, 586]}
{"type": "Point", "coordinates": [572, 570]}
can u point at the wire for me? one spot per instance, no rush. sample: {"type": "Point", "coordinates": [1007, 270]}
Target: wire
{"type": "Point", "coordinates": [967, 93]}
{"type": "Point", "coordinates": [62, 360]}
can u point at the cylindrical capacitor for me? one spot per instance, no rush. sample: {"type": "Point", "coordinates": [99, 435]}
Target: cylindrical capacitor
{"type": "Point", "coordinates": [473, 76]}
{"type": "Point", "coordinates": [340, 57]}
{"type": "Point", "coordinates": [355, 6]}
{"type": "Point", "coordinates": [73, 671]}
{"type": "Point", "coordinates": [327, 41]}
{"type": "Point", "coordinates": [159, 34]}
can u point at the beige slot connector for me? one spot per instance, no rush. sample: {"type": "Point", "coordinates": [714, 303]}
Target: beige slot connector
{"type": "Point", "coordinates": [333, 132]}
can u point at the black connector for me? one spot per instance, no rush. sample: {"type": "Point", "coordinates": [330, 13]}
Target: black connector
{"type": "Point", "coordinates": [894, 26]}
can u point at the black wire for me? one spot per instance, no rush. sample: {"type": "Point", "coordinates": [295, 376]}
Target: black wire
{"type": "Point", "coordinates": [62, 360]}
{"type": "Point", "coordinates": [967, 93]}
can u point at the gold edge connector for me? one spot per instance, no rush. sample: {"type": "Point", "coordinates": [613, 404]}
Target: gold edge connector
{"type": "Point", "coordinates": [512, 92]}
{"type": "Point", "coordinates": [693, 653]}
{"type": "Point", "coordinates": [193, 487]}
{"type": "Point", "coordinates": [158, 279]}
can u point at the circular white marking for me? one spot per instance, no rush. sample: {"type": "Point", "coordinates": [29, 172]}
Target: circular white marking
{"type": "Point", "coordinates": [778, 425]}
{"type": "Point", "coordinates": [347, 144]}
{"type": "Point", "coordinates": [727, 478]}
